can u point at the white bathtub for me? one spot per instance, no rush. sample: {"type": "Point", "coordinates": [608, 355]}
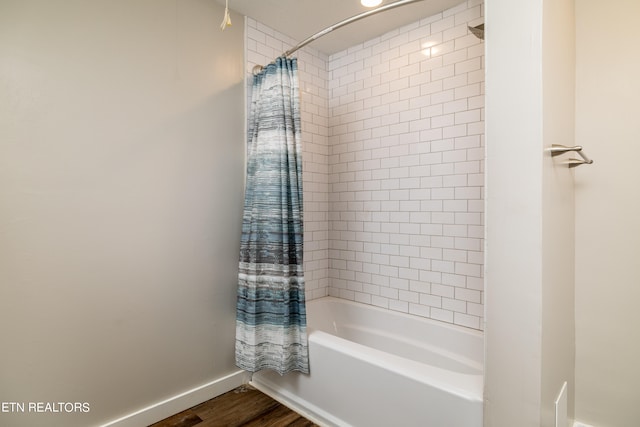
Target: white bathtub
{"type": "Point", "coordinates": [373, 367]}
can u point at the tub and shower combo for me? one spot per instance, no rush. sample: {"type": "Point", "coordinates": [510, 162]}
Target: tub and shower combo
{"type": "Point", "coordinates": [374, 367]}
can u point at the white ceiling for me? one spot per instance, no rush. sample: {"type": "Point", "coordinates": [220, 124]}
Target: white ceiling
{"type": "Point", "coordinates": [300, 19]}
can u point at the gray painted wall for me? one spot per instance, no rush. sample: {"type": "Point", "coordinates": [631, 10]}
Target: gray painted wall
{"type": "Point", "coordinates": [121, 185]}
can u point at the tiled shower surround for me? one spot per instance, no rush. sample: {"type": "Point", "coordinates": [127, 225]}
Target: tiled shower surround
{"type": "Point", "coordinates": [393, 149]}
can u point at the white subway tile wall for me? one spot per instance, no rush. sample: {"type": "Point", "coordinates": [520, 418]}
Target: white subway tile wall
{"type": "Point", "coordinates": [263, 45]}
{"type": "Point", "coordinates": [393, 135]}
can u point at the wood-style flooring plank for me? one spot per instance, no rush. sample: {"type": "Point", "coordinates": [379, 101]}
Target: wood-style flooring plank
{"type": "Point", "coordinates": [302, 422]}
{"type": "Point", "coordinates": [242, 407]}
{"type": "Point", "coordinates": [183, 419]}
{"type": "Point", "coordinates": [234, 408]}
{"type": "Point", "coordinates": [279, 416]}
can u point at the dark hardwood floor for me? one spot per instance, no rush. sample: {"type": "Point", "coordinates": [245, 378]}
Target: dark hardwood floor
{"type": "Point", "coordinates": [244, 406]}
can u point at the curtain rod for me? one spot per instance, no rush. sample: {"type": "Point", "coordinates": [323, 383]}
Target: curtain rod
{"type": "Point", "coordinates": [341, 24]}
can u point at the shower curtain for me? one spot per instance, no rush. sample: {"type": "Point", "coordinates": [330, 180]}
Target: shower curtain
{"type": "Point", "coordinates": [270, 313]}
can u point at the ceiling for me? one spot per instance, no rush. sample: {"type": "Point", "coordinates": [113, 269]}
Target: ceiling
{"type": "Point", "coordinates": [300, 19]}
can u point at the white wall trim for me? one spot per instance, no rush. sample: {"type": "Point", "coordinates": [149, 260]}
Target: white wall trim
{"type": "Point", "coordinates": [180, 402]}
{"type": "Point", "coordinates": [579, 424]}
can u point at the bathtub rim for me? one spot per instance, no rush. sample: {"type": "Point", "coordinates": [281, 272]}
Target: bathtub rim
{"type": "Point", "coordinates": [438, 323]}
{"type": "Point", "coordinates": [467, 386]}
{"type": "Point", "coordinates": [477, 362]}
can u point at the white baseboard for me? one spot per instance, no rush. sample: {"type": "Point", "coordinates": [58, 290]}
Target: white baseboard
{"type": "Point", "coordinates": [579, 424]}
{"type": "Point", "coordinates": [178, 403]}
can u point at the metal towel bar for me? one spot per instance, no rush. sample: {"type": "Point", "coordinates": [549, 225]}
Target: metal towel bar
{"type": "Point", "coordinates": [556, 150]}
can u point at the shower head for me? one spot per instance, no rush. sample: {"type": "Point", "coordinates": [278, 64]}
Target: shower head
{"type": "Point", "coordinates": [477, 31]}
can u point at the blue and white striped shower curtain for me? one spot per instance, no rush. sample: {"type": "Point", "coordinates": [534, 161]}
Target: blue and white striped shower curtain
{"type": "Point", "coordinates": [270, 315]}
